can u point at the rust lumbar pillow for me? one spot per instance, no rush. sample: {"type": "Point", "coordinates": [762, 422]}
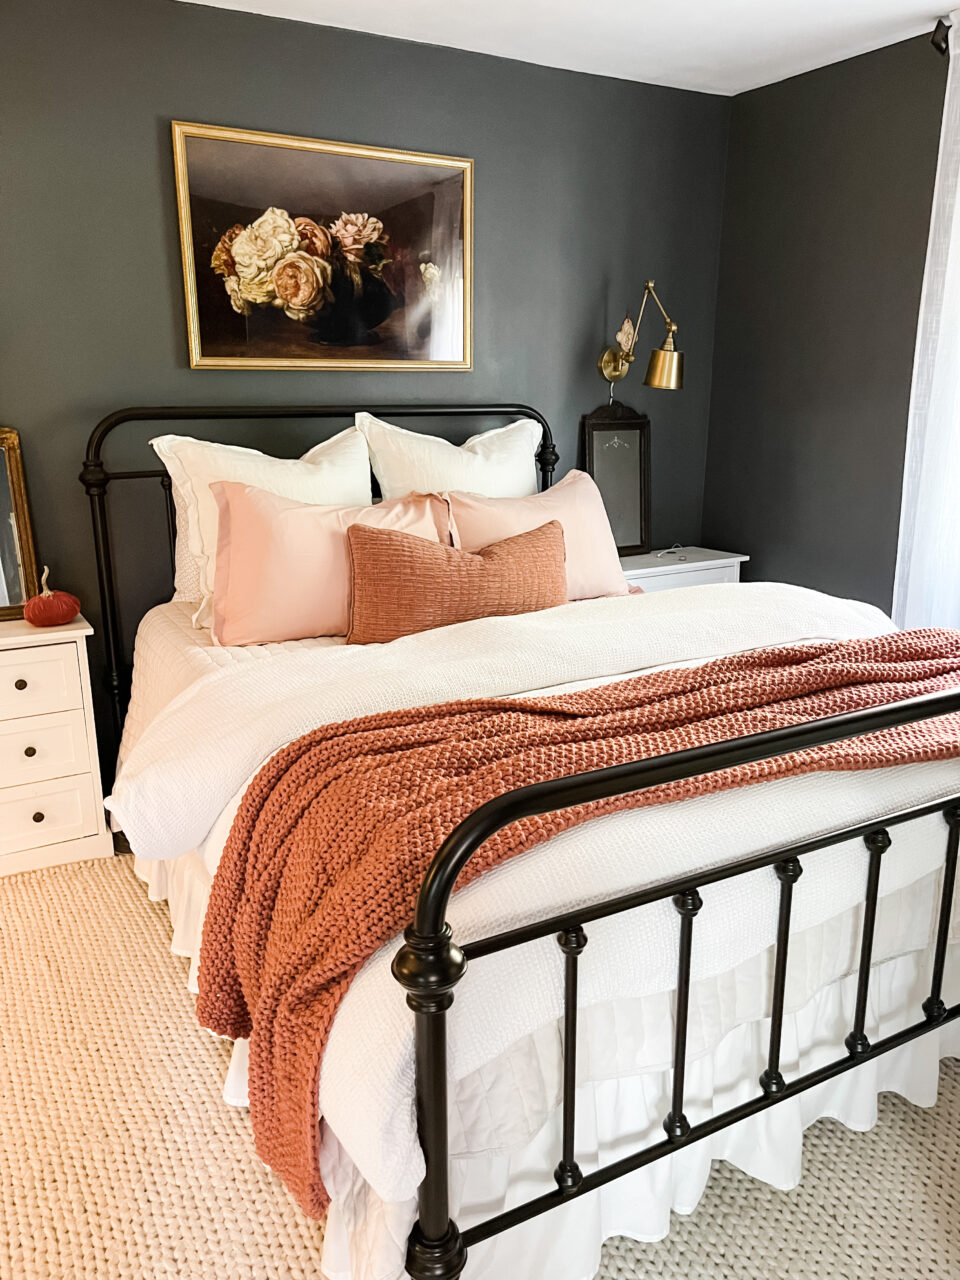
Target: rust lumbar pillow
{"type": "Point", "coordinates": [401, 584]}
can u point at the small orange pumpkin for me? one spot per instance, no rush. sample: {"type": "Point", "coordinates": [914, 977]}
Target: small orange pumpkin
{"type": "Point", "coordinates": [51, 608]}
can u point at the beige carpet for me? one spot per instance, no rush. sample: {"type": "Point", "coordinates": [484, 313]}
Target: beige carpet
{"type": "Point", "coordinates": [119, 1159]}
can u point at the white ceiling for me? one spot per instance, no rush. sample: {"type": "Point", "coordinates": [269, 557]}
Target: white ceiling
{"type": "Point", "coordinates": [718, 46]}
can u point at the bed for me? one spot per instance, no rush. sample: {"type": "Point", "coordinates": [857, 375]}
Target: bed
{"type": "Point", "coordinates": [598, 1002]}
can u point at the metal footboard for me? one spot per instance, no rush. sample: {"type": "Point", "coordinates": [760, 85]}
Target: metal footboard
{"type": "Point", "coordinates": [431, 963]}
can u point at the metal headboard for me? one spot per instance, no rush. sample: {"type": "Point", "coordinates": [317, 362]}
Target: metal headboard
{"type": "Point", "coordinates": [95, 479]}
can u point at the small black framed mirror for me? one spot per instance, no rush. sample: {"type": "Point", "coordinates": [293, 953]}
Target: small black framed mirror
{"type": "Point", "coordinates": [18, 557]}
{"type": "Point", "coordinates": [615, 441]}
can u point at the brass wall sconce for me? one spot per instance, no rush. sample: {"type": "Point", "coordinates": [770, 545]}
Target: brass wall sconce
{"type": "Point", "coordinates": [665, 369]}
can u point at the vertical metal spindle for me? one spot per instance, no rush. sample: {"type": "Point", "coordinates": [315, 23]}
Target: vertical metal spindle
{"type": "Point", "coordinates": [934, 1007]}
{"type": "Point", "coordinates": [95, 481]}
{"type": "Point", "coordinates": [166, 483]}
{"type": "Point", "coordinates": [428, 968]}
{"type": "Point", "coordinates": [788, 873]}
{"type": "Point", "coordinates": [572, 941]}
{"type": "Point", "coordinates": [878, 842]}
{"type": "Point", "coordinates": [687, 904]}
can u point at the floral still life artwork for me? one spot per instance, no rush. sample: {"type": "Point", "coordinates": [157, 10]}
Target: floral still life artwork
{"type": "Point", "coordinates": [299, 253]}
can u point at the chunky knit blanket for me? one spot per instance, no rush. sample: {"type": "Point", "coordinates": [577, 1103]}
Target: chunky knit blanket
{"type": "Point", "coordinates": [333, 836]}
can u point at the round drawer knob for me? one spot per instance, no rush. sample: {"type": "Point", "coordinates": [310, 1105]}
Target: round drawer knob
{"type": "Point", "coordinates": [38, 817]}
{"type": "Point", "coordinates": [20, 684]}
{"type": "Point", "coordinates": [29, 752]}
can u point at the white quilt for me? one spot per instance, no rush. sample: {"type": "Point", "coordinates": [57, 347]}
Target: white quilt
{"type": "Point", "coordinates": [171, 654]}
{"type": "Point", "coordinates": [186, 771]}
{"type": "Point", "coordinates": [192, 757]}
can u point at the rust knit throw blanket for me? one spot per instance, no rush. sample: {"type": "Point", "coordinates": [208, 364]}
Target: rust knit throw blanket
{"type": "Point", "coordinates": [333, 836]}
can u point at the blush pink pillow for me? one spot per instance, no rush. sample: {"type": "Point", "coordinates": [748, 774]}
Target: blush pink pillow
{"type": "Point", "coordinates": [593, 566]}
{"type": "Point", "coordinates": [283, 567]}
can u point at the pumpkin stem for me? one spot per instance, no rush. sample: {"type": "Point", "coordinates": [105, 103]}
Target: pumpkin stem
{"type": "Point", "coordinates": [43, 582]}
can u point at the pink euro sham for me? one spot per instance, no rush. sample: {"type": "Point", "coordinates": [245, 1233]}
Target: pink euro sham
{"type": "Point", "coordinates": [283, 567]}
{"type": "Point", "coordinates": [593, 565]}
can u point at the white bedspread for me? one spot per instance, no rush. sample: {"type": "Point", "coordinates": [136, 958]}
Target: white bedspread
{"type": "Point", "coordinates": [187, 769]}
{"type": "Point", "coordinates": [193, 755]}
{"type": "Point", "coordinates": [171, 654]}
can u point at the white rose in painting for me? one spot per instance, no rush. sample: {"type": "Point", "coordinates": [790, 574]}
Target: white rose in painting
{"type": "Point", "coordinates": [239, 304]}
{"type": "Point", "coordinates": [259, 289]}
{"type": "Point", "coordinates": [259, 247]}
{"type": "Point", "coordinates": [431, 278]}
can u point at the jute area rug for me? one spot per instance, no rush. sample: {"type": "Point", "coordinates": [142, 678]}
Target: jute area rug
{"type": "Point", "coordinates": [118, 1157]}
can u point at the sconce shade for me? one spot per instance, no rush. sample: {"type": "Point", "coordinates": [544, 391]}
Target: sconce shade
{"type": "Point", "coordinates": [665, 370]}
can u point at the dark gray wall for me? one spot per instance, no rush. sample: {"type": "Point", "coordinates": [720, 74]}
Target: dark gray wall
{"type": "Point", "coordinates": [584, 187]}
{"type": "Point", "coordinates": [829, 183]}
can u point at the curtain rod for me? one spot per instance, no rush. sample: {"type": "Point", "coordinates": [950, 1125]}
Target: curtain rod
{"type": "Point", "coordinates": [940, 38]}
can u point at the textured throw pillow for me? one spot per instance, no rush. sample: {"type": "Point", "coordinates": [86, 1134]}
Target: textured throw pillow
{"type": "Point", "coordinates": [335, 472]}
{"type": "Point", "coordinates": [499, 463]}
{"type": "Point", "coordinates": [593, 565]}
{"type": "Point", "coordinates": [283, 568]}
{"type": "Point", "coordinates": [401, 585]}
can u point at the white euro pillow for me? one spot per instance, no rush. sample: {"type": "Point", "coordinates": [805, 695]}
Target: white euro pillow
{"type": "Point", "coordinates": [334, 473]}
{"type": "Point", "coordinates": [495, 464]}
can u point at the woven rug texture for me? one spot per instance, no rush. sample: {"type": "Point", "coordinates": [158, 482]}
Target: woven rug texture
{"type": "Point", "coordinates": [118, 1157]}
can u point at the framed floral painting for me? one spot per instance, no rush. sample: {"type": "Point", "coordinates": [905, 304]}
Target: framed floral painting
{"type": "Point", "coordinates": [305, 254]}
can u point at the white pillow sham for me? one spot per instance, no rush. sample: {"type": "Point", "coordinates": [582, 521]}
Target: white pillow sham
{"type": "Point", "coordinates": [335, 472]}
{"type": "Point", "coordinates": [495, 464]}
{"type": "Point", "coordinates": [186, 568]}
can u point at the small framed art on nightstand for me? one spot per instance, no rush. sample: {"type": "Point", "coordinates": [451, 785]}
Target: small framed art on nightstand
{"type": "Point", "coordinates": [616, 453]}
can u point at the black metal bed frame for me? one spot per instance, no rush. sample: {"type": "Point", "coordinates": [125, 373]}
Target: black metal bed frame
{"type": "Point", "coordinates": [431, 963]}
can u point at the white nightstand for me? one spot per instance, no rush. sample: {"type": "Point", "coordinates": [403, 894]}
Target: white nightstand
{"type": "Point", "coordinates": [51, 805]}
{"type": "Point", "coordinates": [681, 567]}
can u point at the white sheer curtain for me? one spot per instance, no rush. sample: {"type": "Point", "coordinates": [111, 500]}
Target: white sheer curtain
{"type": "Point", "coordinates": [927, 585]}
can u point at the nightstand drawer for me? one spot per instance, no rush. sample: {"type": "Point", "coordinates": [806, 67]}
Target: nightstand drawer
{"type": "Point", "coordinates": [39, 747]}
{"type": "Point", "coordinates": [39, 679]}
{"type": "Point", "coordinates": [683, 578]}
{"type": "Point", "coordinates": [43, 813]}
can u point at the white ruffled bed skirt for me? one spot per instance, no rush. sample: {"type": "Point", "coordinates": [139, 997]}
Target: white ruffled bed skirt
{"type": "Point", "coordinates": [617, 1117]}
{"type": "Point", "coordinates": [364, 1237]}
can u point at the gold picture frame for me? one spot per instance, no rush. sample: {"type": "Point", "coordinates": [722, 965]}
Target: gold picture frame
{"type": "Point", "coordinates": [391, 292]}
{"type": "Point", "coordinates": [18, 557]}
